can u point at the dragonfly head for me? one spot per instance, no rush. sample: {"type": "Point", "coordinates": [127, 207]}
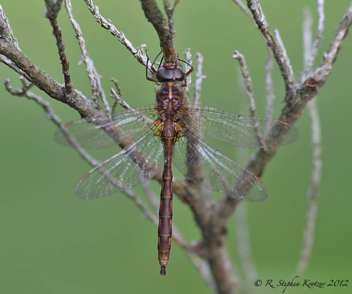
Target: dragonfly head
{"type": "Point", "coordinates": [170, 72]}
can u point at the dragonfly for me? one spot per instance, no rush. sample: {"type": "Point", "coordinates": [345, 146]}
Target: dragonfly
{"type": "Point", "coordinates": [170, 131]}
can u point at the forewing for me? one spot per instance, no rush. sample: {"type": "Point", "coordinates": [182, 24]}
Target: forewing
{"type": "Point", "coordinates": [107, 131]}
{"type": "Point", "coordinates": [238, 130]}
{"type": "Point", "coordinates": [130, 167]}
{"type": "Point", "coordinates": [216, 172]}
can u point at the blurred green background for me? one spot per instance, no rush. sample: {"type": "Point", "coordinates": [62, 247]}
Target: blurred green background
{"type": "Point", "coordinates": [52, 242]}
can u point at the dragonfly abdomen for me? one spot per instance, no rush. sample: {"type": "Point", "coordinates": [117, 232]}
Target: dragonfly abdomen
{"type": "Point", "coordinates": [165, 211]}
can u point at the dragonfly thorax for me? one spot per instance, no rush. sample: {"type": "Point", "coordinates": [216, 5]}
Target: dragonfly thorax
{"type": "Point", "coordinates": [169, 95]}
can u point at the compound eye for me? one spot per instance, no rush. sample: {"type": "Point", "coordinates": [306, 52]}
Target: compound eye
{"type": "Point", "coordinates": [164, 75]}
{"type": "Point", "coordinates": [179, 74]}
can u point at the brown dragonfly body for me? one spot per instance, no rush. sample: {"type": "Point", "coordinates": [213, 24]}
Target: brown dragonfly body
{"type": "Point", "coordinates": [168, 132]}
{"type": "Point", "coordinates": [168, 137]}
{"type": "Point", "coordinates": [169, 100]}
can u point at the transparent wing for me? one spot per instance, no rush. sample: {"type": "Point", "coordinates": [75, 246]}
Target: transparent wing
{"type": "Point", "coordinates": [238, 130]}
{"type": "Point", "coordinates": [216, 172]}
{"type": "Point", "coordinates": [130, 167]}
{"type": "Point", "coordinates": [107, 131]}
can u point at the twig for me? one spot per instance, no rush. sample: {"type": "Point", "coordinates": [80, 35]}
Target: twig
{"type": "Point", "coordinates": [292, 111]}
{"type": "Point", "coordinates": [153, 199]}
{"type": "Point", "coordinates": [243, 7]}
{"type": "Point", "coordinates": [51, 13]}
{"type": "Point", "coordinates": [200, 77]}
{"type": "Point", "coordinates": [199, 264]}
{"type": "Point", "coordinates": [204, 271]}
{"type": "Point", "coordinates": [243, 244]}
{"type": "Point", "coordinates": [188, 57]}
{"type": "Point", "coordinates": [10, 64]}
{"type": "Point", "coordinates": [118, 93]}
{"type": "Point", "coordinates": [94, 77]}
{"type": "Point", "coordinates": [162, 27]}
{"type": "Point", "coordinates": [142, 206]}
{"type": "Point", "coordinates": [10, 49]}
{"type": "Point", "coordinates": [309, 52]}
{"type": "Point", "coordinates": [270, 96]}
{"type": "Point", "coordinates": [107, 24]}
{"type": "Point", "coordinates": [312, 53]}
{"type": "Point", "coordinates": [53, 8]}
{"type": "Point", "coordinates": [170, 13]}
{"type": "Point", "coordinates": [241, 220]}
{"type": "Point", "coordinates": [286, 60]}
{"type": "Point", "coordinates": [278, 51]}
{"type": "Point", "coordinates": [50, 115]}
{"type": "Point", "coordinates": [247, 81]}
{"type": "Point", "coordinates": [307, 40]}
{"type": "Point", "coordinates": [249, 88]}
{"type": "Point", "coordinates": [119, 100]}
{"type": "Point", "coordinates": [319, 76]}
{"type": "Point", "coordinates": [268, 66]}
{"type": "Point", "coordinates": [308, 239]}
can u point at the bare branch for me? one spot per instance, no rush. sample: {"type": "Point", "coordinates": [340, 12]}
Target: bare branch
{"type": "Point", "coordinates": [53, 8]}
{"type": "Point", "coordinates": [10, 49]}
{"type": "Point", "coordinates": [10, 64]}
{"type": "Point", "coordinates": [243, 244]}
{"type": "Point", "coordinates": [170, 10]}
{"type": "Point", "coordinates": [153, 199]}
{"type": "Point", "coordinates": [308, 239]}
{"type": "Point", "coordinates": [307, 35]}
{"type": "Point", "coordinates": [51, 13]}
{"type": "Point", "coordinates": [292, 111]}
{"type": "Point", "coordinates": [200, 77]}
{"type": "Point", "coordinates": [268, 65]}
{"type": "Point", "coordinates": [188, 57]}
{"type": "Point", "coordinates": [170, 13]}
{"type": "Point", "coordinates": [119, 100]}
{"type": "Point", "coordinates": [247, 81]}
{"type": "Point", "coordinates": [309, 54]}
{"type": "Point", "coordinates": [284, 56]}
{"type": "Point", "coordinates": [162, 27]}
{"type": "Point", "coordinates": [243, 7]}
{"type": "Point", "coordinates": [318, 39]}
{"type": "Point", "coordinates": [278, 51]}
{"type": "Point", "coordinates": [6, 32]}
{"type": "Point", "coordinates": [107, 24]}
{"type": "Point", "coordinates": [199, 264]}
{"type": "Point", "coordinates": [270, 96]}
{"type": "Point", "coordinates": [50, 115]}
{"type": "Point", "coordinates": [221, 267]}
{"type": "Point", "coordinates": [249, 88]}
{"type": "Point", "coordinates": [319, 76]}
{"type": "Point", "coordinates": [115, 95]}
{"type": "Point", "coordinates": [142, 206]}
{"type": "Point", "coordinates": [204, 271]}
{"type": "Point", "coordinates": [94, 77]}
